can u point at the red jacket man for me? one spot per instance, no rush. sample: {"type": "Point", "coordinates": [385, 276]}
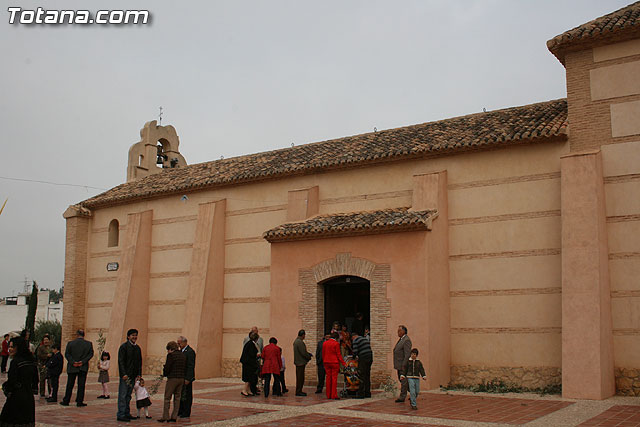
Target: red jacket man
{"type": "Point", "coordinates": [272, 356]}
{"type": "Point", "coordinates": [332, 359]}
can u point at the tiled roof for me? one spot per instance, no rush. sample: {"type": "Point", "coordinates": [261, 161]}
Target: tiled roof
{"type": "Point", "coordinates": [529, 123]}
{"type": "Point", "coordinates": [354, 223]}
{"type": "Point", "coordinates": [623, 24]}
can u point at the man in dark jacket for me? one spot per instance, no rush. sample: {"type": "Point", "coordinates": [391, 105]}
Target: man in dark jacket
{"type": "Point", "coordinates": [358, 324]}
{"type": "Point", "coordinates": [189, 377]}
{"type": "Point", "coordinates": [320, 366]}
{"type": "Point", "coordinates": [78, 353]}
{"type": "Point", "coordinates": [54, 369]}
{"type": "Point", "coordinates": [129, 370]}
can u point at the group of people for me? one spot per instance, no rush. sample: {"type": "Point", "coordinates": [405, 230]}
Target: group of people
{"type": "Point", "coordinates": [179, 369]}
{"type": "Point", "coordinates": [48, 362]}
{"type": "Point", "coordinates": [22, 382]}
{"type": "Point", "coordinates": [30, 373]}
{"type": "Point", "coordinates": [268, 362]}
{"type": "Point", "coordinates": [331, 354]}
{"type": "Point", "coordinates": [408, 368]}
{"type": "Point", "coordinates": [345, 336]}
{"type": "Point", "coordinates": [259, 361]}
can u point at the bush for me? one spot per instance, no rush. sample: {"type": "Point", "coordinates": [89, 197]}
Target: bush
{"type": "Point", "coordinates": [498, 386]}
{"type": "Point", "coordinates": [51, 327]}
{"type": "Point", "coordinates": [388, 385]}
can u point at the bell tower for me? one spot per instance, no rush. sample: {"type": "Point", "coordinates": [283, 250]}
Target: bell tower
{"type": "Point", "coordinates": [157, 149]}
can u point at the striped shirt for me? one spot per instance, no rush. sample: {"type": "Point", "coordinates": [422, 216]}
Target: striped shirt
{"type": "Point", "coordinates": [362, 348]}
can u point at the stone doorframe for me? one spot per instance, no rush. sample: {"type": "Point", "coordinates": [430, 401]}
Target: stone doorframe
{"type": "Point", "coordinates": [311, 307]}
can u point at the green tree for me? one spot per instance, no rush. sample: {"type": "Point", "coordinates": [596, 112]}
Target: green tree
{"type": "Point", "coordinates": [55, 296]}
{"type": "Point", "coordinates": [31, 311]}
{"type": "Point", "coordinates": [51, 327]}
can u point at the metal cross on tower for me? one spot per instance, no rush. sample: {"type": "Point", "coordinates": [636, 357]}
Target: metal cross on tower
{"type": "Point", "coordinates": [160, 116]}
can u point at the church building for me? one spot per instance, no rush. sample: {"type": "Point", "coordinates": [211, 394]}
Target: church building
{"type": "Point", "coordinates": [507, 242]}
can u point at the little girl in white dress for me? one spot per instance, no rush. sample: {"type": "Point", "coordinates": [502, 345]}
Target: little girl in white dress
{"type": "Point", "coordinates": [142, 397]}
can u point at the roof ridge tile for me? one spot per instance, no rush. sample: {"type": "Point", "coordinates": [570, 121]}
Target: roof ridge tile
{"type": "Point", "coordinates": [513, 125]}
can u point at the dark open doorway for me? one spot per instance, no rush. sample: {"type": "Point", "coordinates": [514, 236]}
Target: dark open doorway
{"type": "Point", "coordinates": [345, 296]}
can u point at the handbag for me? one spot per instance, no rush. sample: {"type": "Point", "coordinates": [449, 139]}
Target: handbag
{"type": "Point", "coordinates": [8, 389]}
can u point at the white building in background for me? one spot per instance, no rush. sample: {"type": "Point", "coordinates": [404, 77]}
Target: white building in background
{"type": "Point", "coordinates": [13, 311]}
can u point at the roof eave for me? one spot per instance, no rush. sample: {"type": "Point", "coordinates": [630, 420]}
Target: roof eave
{"type": "Point", "coordinates": [560, 48]}
{"type": "Point", "coordinates": [559, 135]}
{"type": "Point", "coordinates": [349, 233]}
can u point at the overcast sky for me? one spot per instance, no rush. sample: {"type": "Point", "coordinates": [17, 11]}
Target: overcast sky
{"type": "Point", "coordinates": [240, 77]}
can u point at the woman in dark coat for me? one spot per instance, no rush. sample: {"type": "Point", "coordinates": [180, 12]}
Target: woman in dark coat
{"type": "Point", "coordinates": [22, 379]}
{"type": "Point", "coordinates": [250, 366]}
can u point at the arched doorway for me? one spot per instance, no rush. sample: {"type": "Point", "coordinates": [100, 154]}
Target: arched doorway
{"type": "Point", "coordinates": [311, 308]}
{"type": "Point", "coordinates": [345, 296]}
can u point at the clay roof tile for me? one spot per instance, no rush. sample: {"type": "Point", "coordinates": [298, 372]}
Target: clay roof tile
{"type": "Point", "coordinates": [621, 25]}
{"type": "Point", "coordinates": [353, 223]}
{"type": "Point", "coordinates": [529, 123]}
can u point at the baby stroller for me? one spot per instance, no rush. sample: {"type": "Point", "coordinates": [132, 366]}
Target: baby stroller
{"type": "Point", "coordinates": [351, 379]}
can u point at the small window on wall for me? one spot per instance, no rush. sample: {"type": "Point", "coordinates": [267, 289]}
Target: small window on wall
{"type": "Point", "coordinates": [114, 233]}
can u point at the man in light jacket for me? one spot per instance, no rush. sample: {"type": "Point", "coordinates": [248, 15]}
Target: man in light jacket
{"type": "Point", "coordinates": [401, 354]}
{"type": "Point", "coordinates": [300, 358]}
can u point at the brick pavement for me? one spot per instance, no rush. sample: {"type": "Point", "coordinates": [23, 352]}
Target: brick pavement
{"type": "Point", "coordinates": [105, 415]}
{"type": "Point", "coordinates": [288, 399]}
{"type": "Point", "coordinates": [321, 420]}
{"type": "Point", "coordinates": [218, 402]}
{"type": "Point", "coordinates": [619, 415]}
{"type": "Point", "coordinates": [470, 408]}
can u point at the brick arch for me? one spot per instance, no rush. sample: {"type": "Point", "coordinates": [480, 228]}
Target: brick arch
{"type": "Point", "coordinates": [311, 307]}
{"type": "Point", "coordinates": [343, 265]}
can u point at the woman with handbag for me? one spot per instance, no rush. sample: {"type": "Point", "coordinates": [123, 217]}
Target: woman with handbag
{"type": "Point", "coordinates": [22, 379]}
{"type": "Point", "coordinates": [250, 365]}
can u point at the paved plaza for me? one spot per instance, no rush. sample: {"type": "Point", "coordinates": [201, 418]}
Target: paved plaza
{"type": "Point", "coordinates": [218, 402]}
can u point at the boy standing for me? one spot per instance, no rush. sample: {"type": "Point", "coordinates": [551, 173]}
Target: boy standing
{"type": "Point", "coordinates": [54, 369]}
{"type": "Point", "coordinates": [413, 372]}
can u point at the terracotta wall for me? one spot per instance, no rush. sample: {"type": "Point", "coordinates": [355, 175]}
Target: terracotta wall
{"type": "Point", "coordinates": [602, 86]}
{"type": "Point", "coordinates": [504, 248]}
{"type": "Point", "coordinates": [603, 91]}
{"type": "Point", "coordinates": [504, 252]}
{"type": "Point", "coordinates": [406, 291]}
{"type": "Point", "coordinates": [75, 272]}
{"type": "Point", "coordinates": [622, 192]}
